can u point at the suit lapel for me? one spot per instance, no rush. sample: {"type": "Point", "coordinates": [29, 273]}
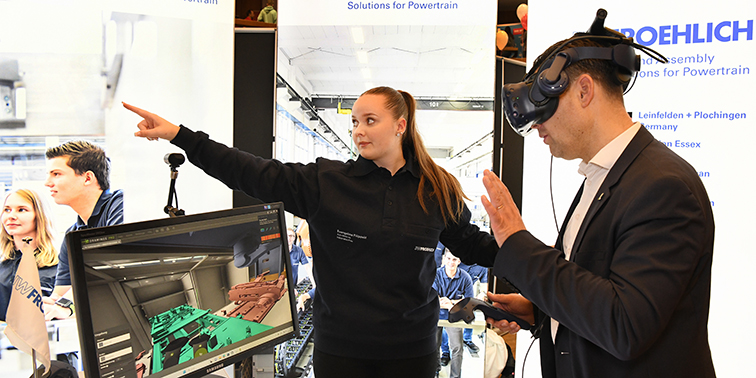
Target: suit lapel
{"type": "Point", "coordinates": [633, 149]}
{"type": "Point", "coordinates": [560, 238]}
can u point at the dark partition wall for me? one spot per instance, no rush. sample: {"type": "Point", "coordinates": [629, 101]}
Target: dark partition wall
{"type": "Point", "coordinates": [508, 147]}
{"type": "Point", "coordinates": [254, 96]}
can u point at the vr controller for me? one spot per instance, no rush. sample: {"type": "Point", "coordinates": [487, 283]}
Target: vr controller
{"type": "Point", "coordinates": [463, 310]}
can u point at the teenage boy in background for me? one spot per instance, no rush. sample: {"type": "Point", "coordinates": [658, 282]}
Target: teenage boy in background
{"type": "Point", "coordinates": [78, 176]}
{"type": "Point", "coordinates": [452, 285]}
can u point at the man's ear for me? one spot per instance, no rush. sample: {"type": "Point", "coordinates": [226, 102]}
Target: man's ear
{"type": "Point", "coordinates": [586, 87]}
{"type": "Point", "coordinates": [90, 178]}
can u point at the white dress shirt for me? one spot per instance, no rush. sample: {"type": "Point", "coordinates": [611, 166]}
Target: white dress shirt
{"type": "Point", "coordinates": [595, 172]}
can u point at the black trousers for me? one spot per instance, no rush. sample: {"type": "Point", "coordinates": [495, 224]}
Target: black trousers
{"type": "Point", "coordinates": [330, 366]}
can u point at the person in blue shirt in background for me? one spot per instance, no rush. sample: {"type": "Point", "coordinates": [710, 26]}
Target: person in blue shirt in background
{"type": "Point", "coordinates": [452, 285]}
{"type": "Point", "coordinates": [478, 274]}
{"type": "Point", "coordinates": [297, 255]}
{"type": "Point", "coordinates": [79, 177]}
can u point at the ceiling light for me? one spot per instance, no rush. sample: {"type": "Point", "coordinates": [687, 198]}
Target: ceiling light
{"type": "Point", "coordinates": [362, 56]}
{"type": "Point", "coordinates": [357, 36]}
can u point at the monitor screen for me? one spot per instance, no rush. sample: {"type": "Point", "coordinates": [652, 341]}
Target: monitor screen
{"type": "Point", "coordinates": [183, 296]}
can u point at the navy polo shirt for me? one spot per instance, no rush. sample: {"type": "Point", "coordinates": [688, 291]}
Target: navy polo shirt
{"type": "Point", "coordinates": [454, 288]}
{"type": "Point", "coordinates": [8, 269]}
{"type": "Point", "coordinates": [107, 212]}
{"type": "Point", "coordinates": [476, 272]}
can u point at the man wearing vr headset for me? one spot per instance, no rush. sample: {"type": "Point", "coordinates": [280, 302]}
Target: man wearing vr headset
{"type": "Point", "coordinates": [625, 290]}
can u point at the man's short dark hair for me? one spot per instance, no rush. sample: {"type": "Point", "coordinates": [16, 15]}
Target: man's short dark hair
{"type": "Point", "coordinates": [82, 157]}
{"type": "Point", "coordinates": [604, 72]}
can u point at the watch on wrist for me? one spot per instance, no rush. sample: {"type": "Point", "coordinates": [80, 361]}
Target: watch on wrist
{"type": "Point", "coordinates": [67, 303]}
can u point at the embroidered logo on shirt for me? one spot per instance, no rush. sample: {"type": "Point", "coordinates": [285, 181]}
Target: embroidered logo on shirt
{"type": "Point", "coordinates": [348, 236]}
{"type": "Point", "coordinates": [425, 249]}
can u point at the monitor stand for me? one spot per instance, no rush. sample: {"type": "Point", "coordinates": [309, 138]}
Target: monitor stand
{"type": "Point", "coordinates": [262, 366]}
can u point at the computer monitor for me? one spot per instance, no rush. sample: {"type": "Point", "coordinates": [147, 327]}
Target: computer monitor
{"type": "Point", "coordinates": [183, 296]}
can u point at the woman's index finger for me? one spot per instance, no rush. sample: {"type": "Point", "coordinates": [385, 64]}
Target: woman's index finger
{"type": "Point", "coordinates": [140, 112]}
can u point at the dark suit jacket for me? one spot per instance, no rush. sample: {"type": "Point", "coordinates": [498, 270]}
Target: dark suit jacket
{"type": "Point", "coordinates": [633, 301]}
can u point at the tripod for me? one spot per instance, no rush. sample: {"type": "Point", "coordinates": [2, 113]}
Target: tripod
{"type": "Point", "coordinates": [174, 161]}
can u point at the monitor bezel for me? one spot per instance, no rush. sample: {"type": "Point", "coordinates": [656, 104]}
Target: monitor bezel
{"type": "Point", "coordinates": [80, 291]}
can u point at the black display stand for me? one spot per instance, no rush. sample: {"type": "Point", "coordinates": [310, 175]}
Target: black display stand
{"type": "Point", "coordinates": [254, 129]}
{"type": "Point", "coordinates": [254, 96]}
{"type": "Point", "coordinates": [508, 148]}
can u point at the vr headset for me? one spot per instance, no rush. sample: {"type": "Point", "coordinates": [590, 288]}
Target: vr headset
{"type": "Point", "coordinates": [535, 99]}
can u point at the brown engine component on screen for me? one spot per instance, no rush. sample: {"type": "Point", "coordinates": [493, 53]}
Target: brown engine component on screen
{"type": "Point", "coordinates": [254, 299]}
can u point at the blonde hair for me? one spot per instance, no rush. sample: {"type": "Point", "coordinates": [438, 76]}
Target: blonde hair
{"type": "Point", "coordinates": [47, 254]}
{"type": "Point", "coordinates": [445, 188]}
